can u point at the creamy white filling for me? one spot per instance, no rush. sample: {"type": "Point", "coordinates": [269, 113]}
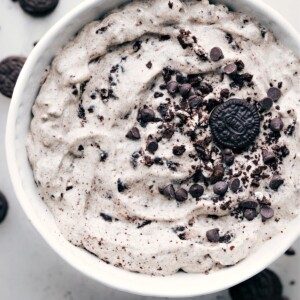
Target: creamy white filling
{"type": "Point", "coordinates": [65, 150]}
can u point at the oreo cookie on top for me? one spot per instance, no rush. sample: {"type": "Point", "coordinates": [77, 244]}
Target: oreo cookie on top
{"type": "Point", "coordinates": [234, 124]}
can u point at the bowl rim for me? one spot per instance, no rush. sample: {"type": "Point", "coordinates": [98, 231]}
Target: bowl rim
{"type": "Point", "coordinates": [155, 288]}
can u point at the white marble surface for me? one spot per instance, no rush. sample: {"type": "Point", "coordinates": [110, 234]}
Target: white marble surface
{"type": "Point", "coordinates": [29, 269]}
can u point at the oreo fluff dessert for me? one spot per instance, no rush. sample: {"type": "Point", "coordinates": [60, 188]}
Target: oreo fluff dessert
{"type": "Point", "coordinates": [165, 137]}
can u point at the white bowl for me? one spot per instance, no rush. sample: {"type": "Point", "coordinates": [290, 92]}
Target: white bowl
{"type": "Point", "coordinates": [181, 284]}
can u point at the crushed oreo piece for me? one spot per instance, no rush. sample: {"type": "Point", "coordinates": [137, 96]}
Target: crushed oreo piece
{"type": "Point", "coordinates": [121, 186]}
{"type": "Point", "coordinates": [178, 150]}
{"type": "Point", "coordinates": [106, 217]}
{"type": "Point", "coordinates": [143, 224]}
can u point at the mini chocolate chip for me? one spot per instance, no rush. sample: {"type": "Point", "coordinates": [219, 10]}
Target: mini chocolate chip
{"type": "Point", "coordinates": [276, 182]}
{"type": "Point", "coordinates": [235, 185]}
{"type": "Point", "coordinates": [220, 188]}
{"type": "Point", "coordinates": [266, 213]}
{"type": "Point", "coordinates": [133, 134]}
{"type": "Point", "coordinates": [184, 89]}
{"type": "Point", "coordinates": [147, 115]}
{"type": "Point", "coordinates": [195, 101]}
{"type": "Point", "coordinates": [152, 145]}
{"type": "Point", "coordinates": [178, 150]}
{"type": "Point", "coordinates": [274, 93]}
{"type": "Point", "coordinates": [196, 190]}
{"type": "Point", "coordinates": [276, 125]}
{"type": "Point", "coordinates": [181, 195]}
{"type": "Point", "coordinates": [268, 156]}
{"type": "Point", "coordinates": [266, 103]}
{"type": "Point", "coordinates": [250, 214]}
{"type": "Point", "coordinates": [213, 235]}
{"type": "Point", "coordinates": [228, 157]}
{"type": "Point", "coordinates": [169, 191]}
{"type": "Point", "coordinates": [230, 69]}
{"type": "Point", "coordinates": [224, 93]}
{"type": "Point", "coordinates": [216, 54]}
{"type": "Point", "coordinates": [172, 87]}
{"type": "Point", "coordinates": [218, 173]}
{"type": "Point", "coordinates": [205, 88]}
{"type": "Point", "coordinates": [248, 204]}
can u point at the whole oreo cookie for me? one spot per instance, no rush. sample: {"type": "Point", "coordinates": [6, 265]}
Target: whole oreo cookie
{"type": "Point", "coordinates": [38, 7]}
{"type": "Point", "coordinates": [10, 69]}
{"type": "Point", "coordinates": [263, 286]}
{"type": "Point", "coordinates": [234, 124]}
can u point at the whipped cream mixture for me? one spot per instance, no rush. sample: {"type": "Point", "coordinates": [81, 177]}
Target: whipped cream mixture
{"type": "Point", "coordinates": [166, 137]}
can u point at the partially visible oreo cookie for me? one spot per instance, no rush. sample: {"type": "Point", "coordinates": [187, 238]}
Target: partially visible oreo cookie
{"type": "Point", "coordinates": [3, 207]}
{"type": "Point", "coordinates": [234, 124]}
{"type": "Point", "coordinates": [10, 69]}
{"type": "Point", "coordinates": [38, 7]}
{"type": "Point", "coordinates": [263, 286]}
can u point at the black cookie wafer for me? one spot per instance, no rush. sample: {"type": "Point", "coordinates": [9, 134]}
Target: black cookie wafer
{"type": "Point", "coordinates": [263, 286]}
{"type": "Point", "coordinates": [234, 124]}
{"type": "Point", "coordinates": [3, 207]}
{"type": "Point", "coordinates": [38, 7]}
{"type": "Point", "coordinates": [10, 69]}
